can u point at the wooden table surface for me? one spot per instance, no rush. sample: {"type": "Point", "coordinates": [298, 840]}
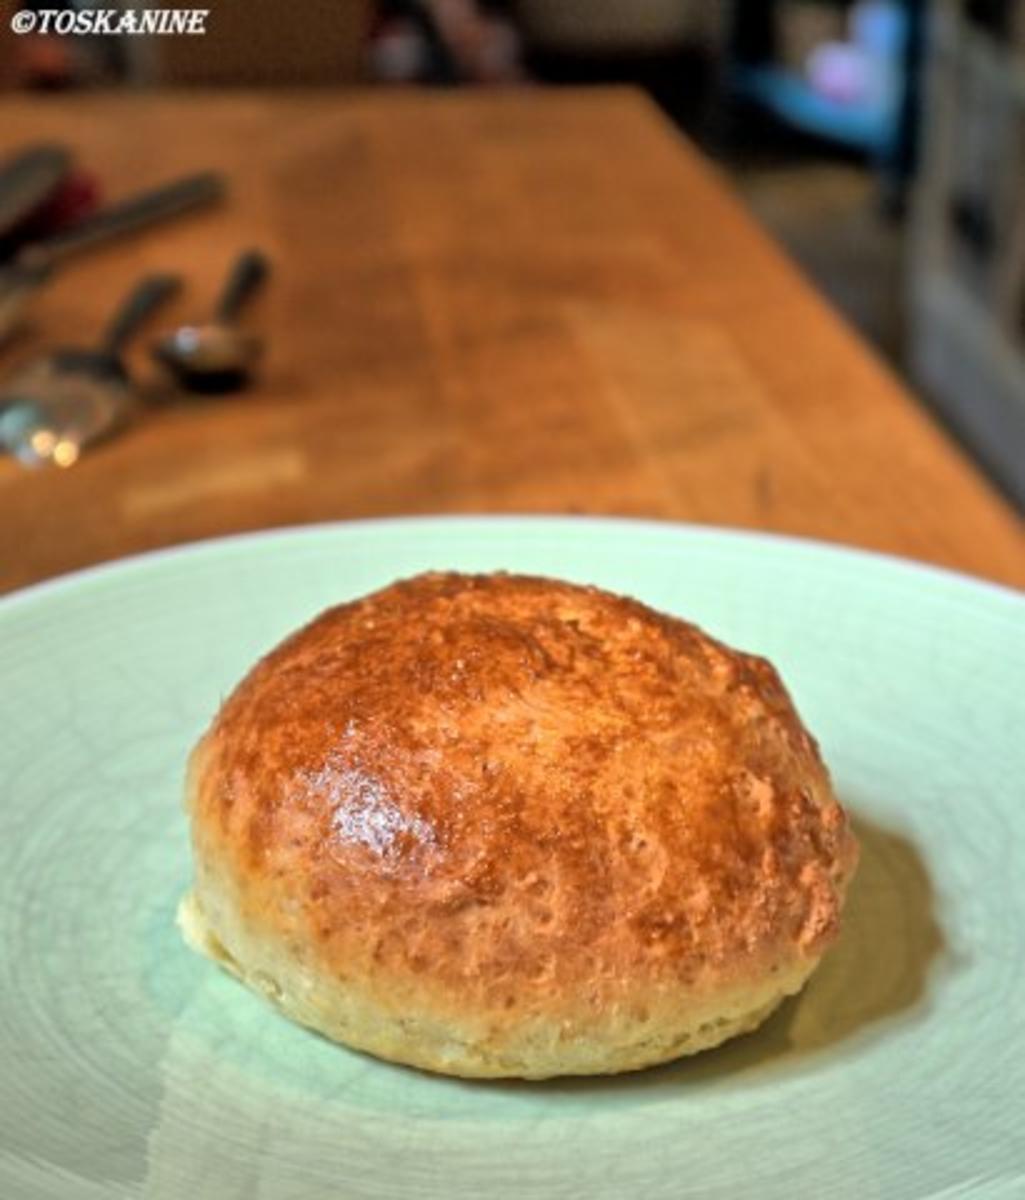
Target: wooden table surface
{"type": "Point", "coordinates": [527, 302]}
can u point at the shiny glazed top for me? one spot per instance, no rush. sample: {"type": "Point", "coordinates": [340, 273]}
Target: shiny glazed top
{"type": "Point", "coordinates": [505, 787]}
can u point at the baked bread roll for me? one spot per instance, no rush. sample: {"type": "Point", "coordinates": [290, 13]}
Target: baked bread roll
{"type": "Point", "coordinates": [493, 825]}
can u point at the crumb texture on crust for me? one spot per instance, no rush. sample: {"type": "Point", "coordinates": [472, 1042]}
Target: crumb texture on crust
{"type": "Point", "coordinates": [497, 824]}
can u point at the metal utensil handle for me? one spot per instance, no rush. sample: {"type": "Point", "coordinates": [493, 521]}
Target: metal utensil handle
{"type": "Point", "coordinates": [144, 298]}
{"type": "Point", "coordinates": [126, 217]}
{"type": "Point", "coordinates": [29, 179]}
{"type": "Point", "coordinates": [249, 271]}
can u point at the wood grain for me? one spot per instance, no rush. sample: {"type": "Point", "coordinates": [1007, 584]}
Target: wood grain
{"type": "Point", "coordinates": [524, 301]}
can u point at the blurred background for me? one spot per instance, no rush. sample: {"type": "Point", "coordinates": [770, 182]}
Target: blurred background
{"type": "Point", "coordinates": [880, 141]}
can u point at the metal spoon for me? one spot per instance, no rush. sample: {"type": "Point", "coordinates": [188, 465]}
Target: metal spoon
{"type": "Point", "coordinates": [58, 404]}
{"type": "Point", "coordinates": [218, 356]}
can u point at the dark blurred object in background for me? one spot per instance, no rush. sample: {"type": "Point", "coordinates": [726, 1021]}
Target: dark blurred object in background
{"type": "Point", "coordinates": [444, 42]}
{"type": "Point", "coordinates": [260, 42]}
{"type": "Point", "coordinates": [667, 47]}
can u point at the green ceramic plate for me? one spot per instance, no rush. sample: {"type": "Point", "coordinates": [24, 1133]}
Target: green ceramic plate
{"type": "Point", "coordinates": [130, 1068]}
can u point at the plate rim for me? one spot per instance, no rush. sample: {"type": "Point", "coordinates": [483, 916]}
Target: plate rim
{"type": "Point", "coordinates": [141, 560]}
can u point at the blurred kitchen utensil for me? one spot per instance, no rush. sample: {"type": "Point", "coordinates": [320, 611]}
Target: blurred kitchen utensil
{"type": "Point", "coordinates": [34, 264]}
{"type": "Point", "coordinates": [59, 403]}
{"type": "Point", "coordinates": [218, 356]}
{"type": "Point", "coordinates": [28, 180]}
{"type": "Point", "coordinates": [77, 198]}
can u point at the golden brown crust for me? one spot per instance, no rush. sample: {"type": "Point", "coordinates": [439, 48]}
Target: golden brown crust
{"type": "Point", "coordinates": [498, 800]}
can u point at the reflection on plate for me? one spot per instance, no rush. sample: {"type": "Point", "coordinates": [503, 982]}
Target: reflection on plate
{"type": "Point", "coordinates": [130, 1068]}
